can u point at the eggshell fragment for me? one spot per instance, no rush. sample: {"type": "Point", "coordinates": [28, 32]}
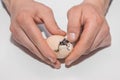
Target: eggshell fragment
{"type": "Point", "coordinates": [62, 51]}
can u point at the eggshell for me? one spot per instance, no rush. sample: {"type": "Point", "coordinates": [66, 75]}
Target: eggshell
{"type": "Point", "coordinates": [62, 51]}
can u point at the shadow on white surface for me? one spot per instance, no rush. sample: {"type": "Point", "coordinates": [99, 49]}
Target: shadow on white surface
{"type": "Point", "coordinates": [84, 57]}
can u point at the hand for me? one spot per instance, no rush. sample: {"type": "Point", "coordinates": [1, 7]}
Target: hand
{"type": "Point", "coordinates": [87, 27]}
{"type": "Point", "coordinates": [25, 15]}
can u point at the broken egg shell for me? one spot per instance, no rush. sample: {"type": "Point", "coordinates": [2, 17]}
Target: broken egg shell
{"type": "Point", "coordinates": [62, 51]}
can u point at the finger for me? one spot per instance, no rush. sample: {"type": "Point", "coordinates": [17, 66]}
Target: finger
{"type": "Point", "coordinates": [51, 24]}
{"type": "Point", "coordinates": [38, 20]}
{"type": "Point", "coordinates": [87, 38]}
{"type": "Point", "coordinates": [21, 38]}
{"type": "Point", "coordinates": [100, 37]}
{"type": "Point", "coordinates": [74, 26]}
{"type": "Point", "coordinates": [56, 65]}
{"type": "Point", "coordinates": [34, 34]}
{"type": "Point", "coordinates": [106, 42]}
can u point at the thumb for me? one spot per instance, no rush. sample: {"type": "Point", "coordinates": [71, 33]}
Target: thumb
{"type": "Point", "coordinates": [74, 28]}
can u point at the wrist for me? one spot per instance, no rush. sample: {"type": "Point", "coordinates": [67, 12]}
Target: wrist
{"type": "Point", "coordinates": [101, 5]}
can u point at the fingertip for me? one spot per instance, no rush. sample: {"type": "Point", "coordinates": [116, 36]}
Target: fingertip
{"type": "Point", "coordinates": [57, 65]}
{"type": "Point", "coordinates": [71, 37]}
{"type": "Point", "coordinates": [52, 59]}
{"type": "Point", "coordinates": [68, 62]}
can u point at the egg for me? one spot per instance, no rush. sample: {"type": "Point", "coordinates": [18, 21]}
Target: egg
{"type": "Point", "coordinates": [60, 45]}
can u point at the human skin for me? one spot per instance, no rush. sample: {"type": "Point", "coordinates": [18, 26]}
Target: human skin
{"type": "Point", "coordinates": [26, 14]}
{"type": "Point", "coordinates": [88, 27]}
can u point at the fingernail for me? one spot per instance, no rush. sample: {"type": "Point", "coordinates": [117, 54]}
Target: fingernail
{"type": "Point", "coordinates": [69, 63]}
{"type": "Point", "coordinates": [57, 67]}
{"type": "Point", "coordinates": [71, 36]}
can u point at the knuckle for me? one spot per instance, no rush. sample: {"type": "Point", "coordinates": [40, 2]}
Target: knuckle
{"type": "Point", "coordinates": [11, 29]}
{"type": "Point", "coordinates": [99, 20]}
{"type": "Point", "coordinates": [15, 33]}
{"type": "Point", "coordinates": [48, 10]}
{"type": "Point", "coordinates": [21, 16]}
{"type": "Point", "coordinates": [71, 11]}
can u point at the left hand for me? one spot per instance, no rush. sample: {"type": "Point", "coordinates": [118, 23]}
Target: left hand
{"type": "Point", "coordinates": [87, 27]}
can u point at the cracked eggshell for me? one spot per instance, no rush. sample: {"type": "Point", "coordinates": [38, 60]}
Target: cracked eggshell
{"type": "Point", "coordinates": [64, 50]}
{"type": "Point", "coordinates": [54, 41]}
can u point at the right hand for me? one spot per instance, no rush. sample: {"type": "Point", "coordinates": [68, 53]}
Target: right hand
{"type": "Point", "coordinates": [25, 15]}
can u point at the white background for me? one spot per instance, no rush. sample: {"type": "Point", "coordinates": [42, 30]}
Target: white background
{"type": "Point", "coordinates": [15, 64]}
